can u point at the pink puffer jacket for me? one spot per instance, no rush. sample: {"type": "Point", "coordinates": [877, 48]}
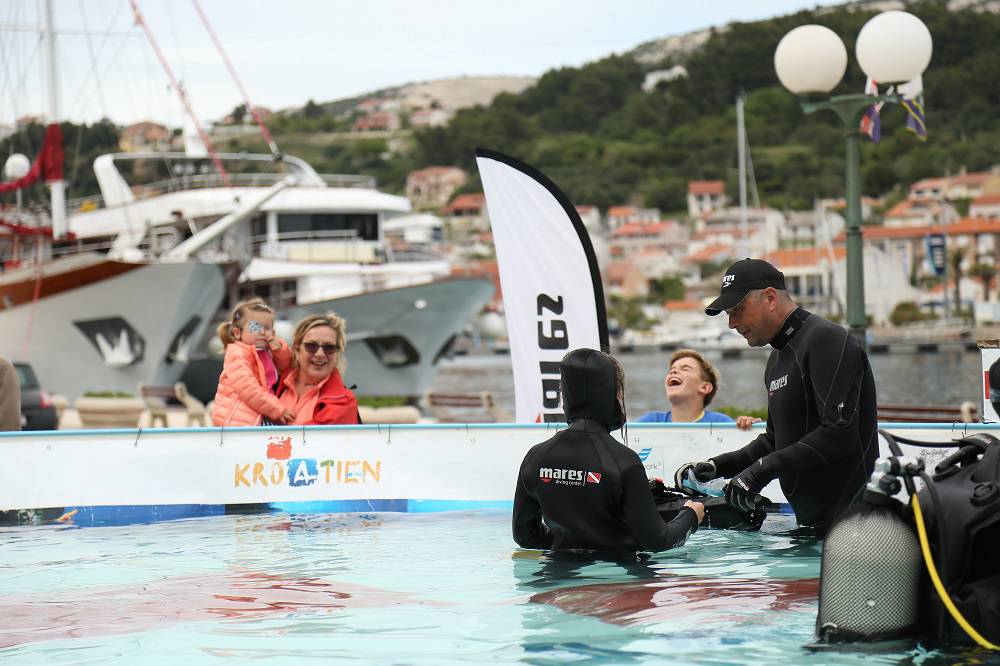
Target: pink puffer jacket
{"type": "Point", "coordinates": [242, 396]}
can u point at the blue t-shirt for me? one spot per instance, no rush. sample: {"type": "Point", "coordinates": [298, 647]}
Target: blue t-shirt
{"type": "Point", "coordinates": [664, 417]}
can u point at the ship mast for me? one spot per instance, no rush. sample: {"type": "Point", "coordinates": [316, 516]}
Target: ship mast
{"type": "Point", "coordinates": [56, 187]}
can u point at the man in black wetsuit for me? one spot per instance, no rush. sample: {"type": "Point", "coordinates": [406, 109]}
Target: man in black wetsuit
{"type": "Point", "coordinates": [583, 489]}
{"type": "Point", "coordinates": [821, 440]}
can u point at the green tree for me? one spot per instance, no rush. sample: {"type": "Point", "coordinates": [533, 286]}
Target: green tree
{"type": "Point", "coordinates": [985, 273]}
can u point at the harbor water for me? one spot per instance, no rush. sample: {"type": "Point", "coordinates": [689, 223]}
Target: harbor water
{"type": "Point", "coordinates": [944, 378]}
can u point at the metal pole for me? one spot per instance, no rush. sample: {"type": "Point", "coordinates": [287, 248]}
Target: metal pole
{"type": "Point", "coordinates": [850, 109]}
{"type": "Point", "coordinates": [856, 319]}
{"type": "Point", "coordinates": [741, 141]}
{"type": "Point", "coordinates": [57, 188]}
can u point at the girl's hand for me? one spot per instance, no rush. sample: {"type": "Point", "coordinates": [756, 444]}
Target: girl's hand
{"type": "Point", "coordinates": [274, 343]}
{"type": "Point", "coordinates": [287, 416]}
{"type": "Point", "coordinates": [744, 422]}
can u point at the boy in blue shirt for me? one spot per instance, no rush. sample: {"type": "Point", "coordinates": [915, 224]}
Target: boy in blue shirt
{"type": "Point", "coordinates": [690, 385]}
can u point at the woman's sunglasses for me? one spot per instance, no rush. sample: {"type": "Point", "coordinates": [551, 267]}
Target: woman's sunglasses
{"type": "Point", "coordinates": [313, 347]}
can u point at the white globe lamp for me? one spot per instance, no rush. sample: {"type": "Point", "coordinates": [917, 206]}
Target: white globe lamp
{"type": "Point", "coordinates": [894, 47]}
{"type": "Point", "coordinates": [810, 59]}
{"type": "Point", "coordinates": [16, 166]}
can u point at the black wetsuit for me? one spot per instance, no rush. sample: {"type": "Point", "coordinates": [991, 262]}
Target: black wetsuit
{"type": "Point", "coordinates": [591, 490]}
{"type": "Point", "coordinates": [821, 419]}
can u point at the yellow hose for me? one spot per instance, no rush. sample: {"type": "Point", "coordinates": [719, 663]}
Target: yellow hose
{"type": "Point", "coordinates": [939, 586]}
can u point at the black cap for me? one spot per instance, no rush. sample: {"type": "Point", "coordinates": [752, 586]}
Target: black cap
{"type": "Point", "coordinates": [740, 279]}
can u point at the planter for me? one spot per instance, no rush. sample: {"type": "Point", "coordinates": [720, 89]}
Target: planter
{"type": "Point", "coordinates": [109, 412]}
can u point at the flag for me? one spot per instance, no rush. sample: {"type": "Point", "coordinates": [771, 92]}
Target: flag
{"type": "Point", "coordinates": [913, 102]}
{"type": "Point", "coordinates": [871, 122]}
{"type": "Point", "coordinates": [552, 292]}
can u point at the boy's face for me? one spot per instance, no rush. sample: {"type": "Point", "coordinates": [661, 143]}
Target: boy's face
{"type": "Point", "coordinates": [684, 380]}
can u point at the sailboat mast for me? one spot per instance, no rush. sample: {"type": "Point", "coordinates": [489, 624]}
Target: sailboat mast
{"type": "Point", "coordinates": [57, 187]}
{"type": "Point", "coordinates": [181, 93]}
{"type": "Point", "coordinates": [741, 150]}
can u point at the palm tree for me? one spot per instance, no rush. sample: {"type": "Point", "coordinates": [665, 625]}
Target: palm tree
{"type": "Point", "coordinates": [985, 274]}
{"type": "Point", "coordinates": [955, 259]}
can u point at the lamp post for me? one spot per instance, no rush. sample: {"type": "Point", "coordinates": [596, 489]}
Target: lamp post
{"type": "Point", "coordinates": [892, 47]}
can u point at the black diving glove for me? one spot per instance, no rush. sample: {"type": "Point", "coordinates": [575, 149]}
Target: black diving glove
{"type": "Point", "coordinates": [743, 490]}
{"type": "Point", "coordinates": [703, 471]}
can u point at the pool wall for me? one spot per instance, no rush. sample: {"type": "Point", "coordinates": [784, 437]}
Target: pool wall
{"type": "Point", "coordinates": [100, 477]}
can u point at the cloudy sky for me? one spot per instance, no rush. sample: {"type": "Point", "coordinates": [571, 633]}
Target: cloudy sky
{"type": "Point", "coordinates": [290, 51]}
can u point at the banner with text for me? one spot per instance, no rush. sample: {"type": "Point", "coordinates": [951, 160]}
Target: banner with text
{"type": "Point", "coordinates": [552, 292]}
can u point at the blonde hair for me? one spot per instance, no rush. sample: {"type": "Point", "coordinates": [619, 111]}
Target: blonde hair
{"type": "Point", "coordinates": [330, 320]}
{"type": "Point", "coordinates": [708, 372]}
{"type": "Point", "coordinates": [238, 316]}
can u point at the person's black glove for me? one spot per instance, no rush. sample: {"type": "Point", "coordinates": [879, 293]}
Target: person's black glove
{"type": "Point", "coordinates": [703, 471]}
{"type": "Point", "coordinates": [743, 490]}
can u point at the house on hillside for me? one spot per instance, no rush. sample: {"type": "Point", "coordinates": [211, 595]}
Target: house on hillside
{"type": "Point", "coordinates": [812, 228]}
{"type": "Point", "coordinates": [907, 244]}
{"type": "Point", "coordinates": [988, 205]}
{"type": "Point", "coordinates": [706, 196]}
{"type": "Point", "coordinates": [468, 212]}
{"type": "Point", "coordinates": [666, 236]}
{"type": "Point", "coordinates": [725, 227]}
{"type": "Point", "coordinates": [378, 121]}
{"type": "Point", "coordinates": [920, 213]}
{"type": "Point", "coordinates": [817, 280]}
{"type": "Point", "coordinates": [625, 279]}
{"type": "Point", "coordinates": [430, 118]}
{"type": "Point", "coordinates": [144, 136]}
{"type": "Point", "coordinates": [619, 215]}
{"type": "Point", "coordinates": [962, 186]}
{"type": "Point", "coordinates": [433, 186]}
{"type": "Point", "coordinates": [702, 263]}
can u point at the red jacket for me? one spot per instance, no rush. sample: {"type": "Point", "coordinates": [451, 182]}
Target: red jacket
{"type": "Point", "coordinates": [329, 403]}
{"type": "Point", "coordinates": [243, 395]}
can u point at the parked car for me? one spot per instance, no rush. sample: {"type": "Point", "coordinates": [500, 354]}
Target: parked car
{"type": "Point", "coordinates": [37, 410]}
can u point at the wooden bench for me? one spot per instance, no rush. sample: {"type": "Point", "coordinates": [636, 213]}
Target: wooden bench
{"type": "Point", "coordinates": [158, 397]}
{"type": "Point", "coordinates": [464, 407]}
{"type": "Point", "coordinates": [967, 413]}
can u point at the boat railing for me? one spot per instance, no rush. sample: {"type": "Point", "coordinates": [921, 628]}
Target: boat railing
{"type": "Point", "coordinates": [187, 182]}
{"type": "Point", "coordinates": [328, 245]}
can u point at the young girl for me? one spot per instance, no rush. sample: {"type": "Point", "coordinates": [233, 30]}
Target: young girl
{"type": "Point", "coordinates": [255, 358]}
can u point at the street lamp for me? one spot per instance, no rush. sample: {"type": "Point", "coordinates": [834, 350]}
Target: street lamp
{"type": "Point", "coordinates": [892, 47]}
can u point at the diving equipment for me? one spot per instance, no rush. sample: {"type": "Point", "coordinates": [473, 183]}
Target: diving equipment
{"type": "Point", "coordinates": [870, 571]}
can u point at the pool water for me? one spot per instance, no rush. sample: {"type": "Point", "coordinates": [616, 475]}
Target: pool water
{"type": "Point", "coordinates": [405, 588]}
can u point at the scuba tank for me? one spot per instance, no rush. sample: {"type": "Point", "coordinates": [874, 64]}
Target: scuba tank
{"type": "Point", "coordinates": [870, 570]}
{"type": "Point", "coordinates": [943, 579]}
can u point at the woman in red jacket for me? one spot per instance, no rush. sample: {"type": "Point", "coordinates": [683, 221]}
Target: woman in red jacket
{"type": "Point", "coordinates": [313, 388]}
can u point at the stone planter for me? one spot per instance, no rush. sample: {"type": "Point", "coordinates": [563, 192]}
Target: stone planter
{"type": "Point", "coordinates": [109, 412]}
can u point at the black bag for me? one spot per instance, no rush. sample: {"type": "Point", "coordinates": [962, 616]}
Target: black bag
{"type": "Point", "coordinates": [718, 513]}
{"type": "Point", "coordinates": [961, 508]}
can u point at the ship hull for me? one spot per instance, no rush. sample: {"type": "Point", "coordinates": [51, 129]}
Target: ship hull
{"type": "Point", "coordinates": [101, 325]}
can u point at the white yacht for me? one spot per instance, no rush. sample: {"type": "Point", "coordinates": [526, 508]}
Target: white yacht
{"type": "Point", "coordinates": [151, 269]}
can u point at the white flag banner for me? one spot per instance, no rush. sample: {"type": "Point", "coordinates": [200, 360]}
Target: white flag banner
{"type": "Point", "coordinates": [552, 293]}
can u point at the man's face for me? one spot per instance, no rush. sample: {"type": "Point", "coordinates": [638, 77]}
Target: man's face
{"type": "Point", "coordinates": [751, 318]}
{"type": "Point", "coordinates": [684, 379]}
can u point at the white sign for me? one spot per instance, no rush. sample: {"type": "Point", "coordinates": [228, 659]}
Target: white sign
{"type": "Point", "coordinates": [552, 292]}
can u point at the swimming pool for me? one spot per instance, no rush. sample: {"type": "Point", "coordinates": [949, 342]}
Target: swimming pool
{"type": "Point", "coordinates": [403, 588]}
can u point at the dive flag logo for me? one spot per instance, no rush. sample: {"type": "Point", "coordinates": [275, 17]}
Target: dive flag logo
{"type": "Point", "coordinates": [593, 477]}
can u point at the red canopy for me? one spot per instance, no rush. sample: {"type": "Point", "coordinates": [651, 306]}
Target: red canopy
{"type": "Point", "coordinates": [48, 164]}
